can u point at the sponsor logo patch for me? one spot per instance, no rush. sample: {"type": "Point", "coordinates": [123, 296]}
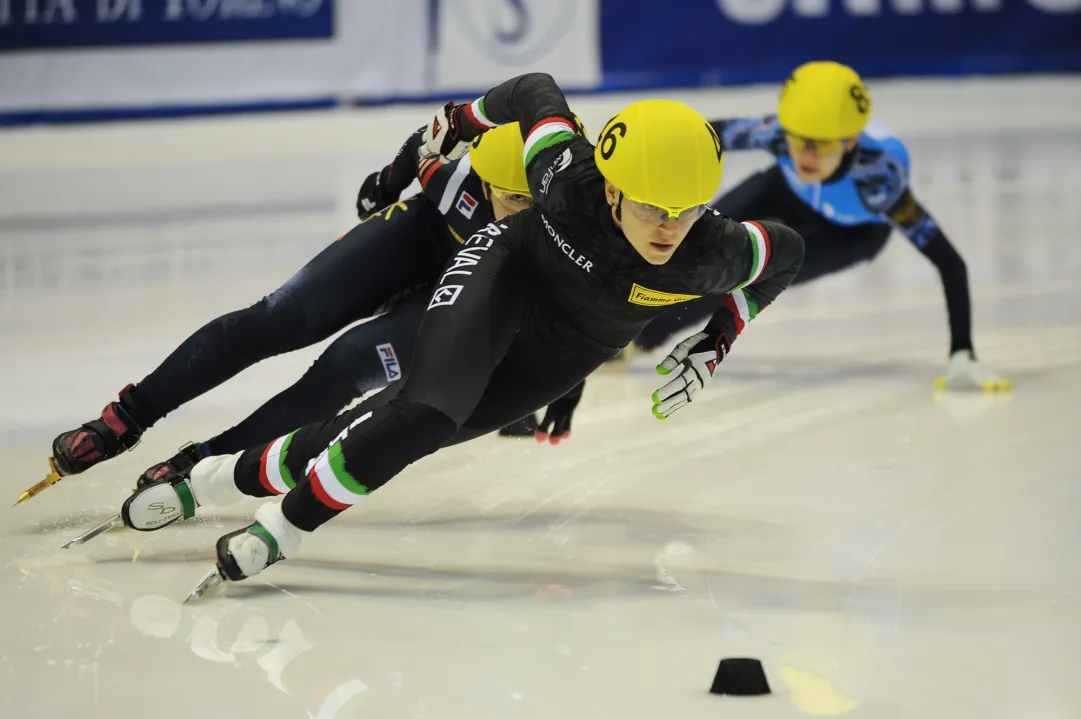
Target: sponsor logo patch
{"type": "Point", "coordinates": [654, 298]}
{"type": "Point", "coordinates": [390, 361]}
{"type": "Point", "coordinates": [558, 165]}
{"type": "Point", "coordinates": [445, 295]}
{"type": "Point", "coordinates": [466, 205]}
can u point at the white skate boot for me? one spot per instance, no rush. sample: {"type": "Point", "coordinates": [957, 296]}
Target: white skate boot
{"type": "Point", "coordinates": [162, 502]}
{"type": "Point", "coordinates": [248, 551]}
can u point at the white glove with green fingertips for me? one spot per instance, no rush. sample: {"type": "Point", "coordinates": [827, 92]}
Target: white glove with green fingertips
{"type": "Point", "coordinates": [691, 365]}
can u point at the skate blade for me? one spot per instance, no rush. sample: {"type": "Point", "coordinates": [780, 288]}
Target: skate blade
{"type": "Point", "coordinates": [53, 477]}
{"type": "Point", "coordinates": [212, 580]}
{"type": "Point", "coordinates": [110, 523]}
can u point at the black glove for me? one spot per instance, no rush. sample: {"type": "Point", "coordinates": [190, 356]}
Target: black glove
{"type": "Point", "coordinates": [556, 425]}
{"type": "Point", "coordinates": [372, 196]}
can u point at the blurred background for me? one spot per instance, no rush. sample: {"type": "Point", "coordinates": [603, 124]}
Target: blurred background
{"type": "Point", "coordinates": [77, 60]}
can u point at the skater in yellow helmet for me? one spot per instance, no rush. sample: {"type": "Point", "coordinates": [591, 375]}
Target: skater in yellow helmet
{"type": "Point", "coordinates": [377, 267]}
{"type": "Point", "coordinates": [842, 180]}
{"type": "Point", "coordinates": [618, 233]}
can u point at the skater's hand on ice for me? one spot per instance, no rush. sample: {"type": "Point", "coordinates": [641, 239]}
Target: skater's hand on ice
{"type": "Point", "coordinates": [691, 366]}
{"type": "Point", "coordinates": [556, 425]}
{"type": "Point", "coordinates": [372, 196]}
{"type": "Point", "coordinates": [442, 136]}
{"type": "Point", "coordinates": [963, 371]}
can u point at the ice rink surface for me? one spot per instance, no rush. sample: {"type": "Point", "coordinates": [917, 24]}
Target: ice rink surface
{"type": "Point", "coordinates": [885, 552]}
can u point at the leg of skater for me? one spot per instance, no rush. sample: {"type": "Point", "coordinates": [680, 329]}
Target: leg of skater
{"type": "Point", "coordinates": [348, 280]}
{"type": "Point", "coordinates": [364, 358]}
{"type": "Point", "coordinates": [473, 315]}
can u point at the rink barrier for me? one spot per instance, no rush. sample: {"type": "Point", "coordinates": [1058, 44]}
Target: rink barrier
{"type": "Point", "coordinates": [117, 59]}
{"type": "Point", "coordinates": [114, 114]}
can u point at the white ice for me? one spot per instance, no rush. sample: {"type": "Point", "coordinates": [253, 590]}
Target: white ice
{"type": "Point", "coordinates": [885, 552]}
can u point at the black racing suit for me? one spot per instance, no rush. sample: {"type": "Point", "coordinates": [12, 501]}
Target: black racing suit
{"type": "Point", "coordinates": [523, 313]}
{"type": "Point", "coordinates": [386, 264]}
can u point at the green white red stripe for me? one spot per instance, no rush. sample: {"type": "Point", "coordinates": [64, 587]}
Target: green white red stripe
{"type": "Point", "coordinates": [547, 132]}
{"type": "Point", "coordinates": [273, 474]}
{"type": "Point", "coordinates": [475, 112]}
{"type": "Point", "coordinates": [741, 304]}
{"type": "Point", "coordinates": [760, 248]}
{"type": "Point", "coordinates": [334, 486]}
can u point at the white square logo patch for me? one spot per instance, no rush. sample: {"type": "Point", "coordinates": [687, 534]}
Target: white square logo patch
{"type": "Point", "coordinates": [445, 295]}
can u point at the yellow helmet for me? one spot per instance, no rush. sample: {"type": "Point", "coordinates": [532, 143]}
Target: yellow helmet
{"type": "Point", "coordinates": [824, 101]}
{"type": "Point", "coordinates": [661, 153]}
{"type": "Point", "coordinates": [498, 157]}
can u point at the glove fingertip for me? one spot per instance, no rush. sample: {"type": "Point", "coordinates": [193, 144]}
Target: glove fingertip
{"type": "Point", "coordinates": [661, 369]}
{"type": "Point", "coordinates": [657, 413]}
{"type": "Point", "coordinates": [541, 437]}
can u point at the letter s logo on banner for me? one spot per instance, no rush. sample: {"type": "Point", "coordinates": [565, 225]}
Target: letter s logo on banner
{"type": "Point", "coordinates": [480, 43]}
{"type": "Point", "coordinates": [518, 31]}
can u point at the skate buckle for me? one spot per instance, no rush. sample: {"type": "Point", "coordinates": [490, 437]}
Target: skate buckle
{"type": "Point", "coordinates": [53, 477]}
{"type": "Point", "coordinates": [212, 580]}
{"type": "Point", "coordinates": [110, 523]}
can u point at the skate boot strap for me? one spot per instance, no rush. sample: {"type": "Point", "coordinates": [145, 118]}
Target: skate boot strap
{"type": "Point", "coordinates": [135, 411]}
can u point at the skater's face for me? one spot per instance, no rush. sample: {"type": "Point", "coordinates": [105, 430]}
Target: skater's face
{"type": "Point", "coordinates": [650, 231]}
{"type": "Point", "coordinates": [815, 160]}
{"type": "Point", "coordinates": [505, 202]}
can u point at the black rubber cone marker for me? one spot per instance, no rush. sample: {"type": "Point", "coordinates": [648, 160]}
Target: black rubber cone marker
{"type": "Point", "coordinates": [743, 677]}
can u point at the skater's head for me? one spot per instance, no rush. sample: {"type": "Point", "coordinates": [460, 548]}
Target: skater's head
{"type": "Point", "coordinates": [661, 163]}
{"type": "Point", "coordinates": [497, 156]}
{"type": "Point", "coordinates": [824, 107]}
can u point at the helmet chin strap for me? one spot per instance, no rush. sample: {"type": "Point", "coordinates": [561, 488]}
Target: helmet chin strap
{"type": "Point", "coordinates": [618, 210]}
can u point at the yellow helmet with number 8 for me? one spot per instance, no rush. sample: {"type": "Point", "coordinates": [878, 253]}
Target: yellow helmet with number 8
{"type": "Point", "coordinates": [498, 156]}
{"type": "Point", "coordinates": [661, 153]}
{"type": "Point", "coordinates": [824, 101]}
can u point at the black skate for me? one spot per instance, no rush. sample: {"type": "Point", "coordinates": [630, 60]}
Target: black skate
{"type": "Point", "coordinates": [179, 466]}
{"type": "Point", "coordinates": [118, 429]}
{"type": "Point", "coordinates": [525, 427]}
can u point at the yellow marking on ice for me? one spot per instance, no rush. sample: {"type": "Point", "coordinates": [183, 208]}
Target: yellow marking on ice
{"type": "Point", "coordinates": [814, 694]}
{"type": "Point", "coordinates": [135, 554]}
